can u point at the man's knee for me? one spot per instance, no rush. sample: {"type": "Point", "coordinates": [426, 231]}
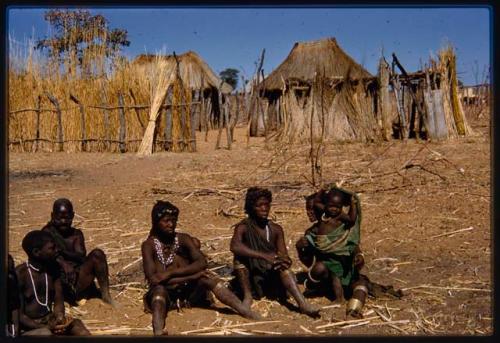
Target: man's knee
{"type": "Point", "coordinates": [159, 295]}
{"type": "Point", "coordinates": [97, 254]}
{"type": "Point", "coordinates": [208, 282]}
{"type": "Point", "coordinates": [286, 274]}
{"type": "Point", "coordinates": [319, 270]}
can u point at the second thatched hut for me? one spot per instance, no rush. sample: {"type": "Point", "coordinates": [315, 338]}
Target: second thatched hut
{"type": "Point", "coordinates": [193, 100]}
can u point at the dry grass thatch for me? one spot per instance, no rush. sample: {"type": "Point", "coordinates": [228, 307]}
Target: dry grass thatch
{"type": "Point", "coordinates": [306, 58]}
{"type": "Point", "coordinates": [165, 76]}
{"type": "Point", "coordinates": [193, 71]}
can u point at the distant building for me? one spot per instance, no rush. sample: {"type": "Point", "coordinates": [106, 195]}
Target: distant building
{"type": "Point", "coordinates": [474, 95]}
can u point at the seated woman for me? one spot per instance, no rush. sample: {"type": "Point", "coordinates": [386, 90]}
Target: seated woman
{"type": "Point", "coordinates": [176, 270]}
{"type": "Point", "coordinates": [261, 261]}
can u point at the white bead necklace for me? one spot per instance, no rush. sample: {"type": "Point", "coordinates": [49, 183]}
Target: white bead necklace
{"type": "Point", "coordinates": [34, 287]}
{"type": "Point", "coordinates": [267, 232]}
{"type": "Point", "coordinates": [159, 251]}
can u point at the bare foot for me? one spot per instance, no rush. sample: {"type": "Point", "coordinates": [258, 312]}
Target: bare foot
{"type": "Point", "coordinates": [352, 314]}
{"type": "Point", "coordinates": [310, 310]}
{"type": "Point", "coordinates": [110, 301]}
{"type": "Point", "coordinates": [162, 332]}
{"type": "Point", "coordinates": [247, 302]}
{"type": "Point", "coordinates": [249, 314]}
{"type": "Point", "coordinates": [339, 301]}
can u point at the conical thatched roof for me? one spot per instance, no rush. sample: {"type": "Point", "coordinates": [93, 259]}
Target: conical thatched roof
{"type": "Point", "coordinates": [192, 70]}
{"type": "Point", "coordinates": [308, 57]}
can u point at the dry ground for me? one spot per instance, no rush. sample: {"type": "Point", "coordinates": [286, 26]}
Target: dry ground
{"type": "Point", "coordinates": [426, 226]}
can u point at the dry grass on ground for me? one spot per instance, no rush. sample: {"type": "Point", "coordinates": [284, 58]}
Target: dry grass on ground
{"type": "Point", "coordinates": [426, 227]}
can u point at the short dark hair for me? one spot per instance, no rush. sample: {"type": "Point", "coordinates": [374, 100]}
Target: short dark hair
{"type": "Point", "coordinates": [253, 194]}
{"type": "Point", "coordinates": [35, 239]}
{"type": "Point", "coordinates": [62, 202]}
{"type": "Point", "coordinates": [334, 192]}
{"type": "Point", "coordinates": [161, 209]}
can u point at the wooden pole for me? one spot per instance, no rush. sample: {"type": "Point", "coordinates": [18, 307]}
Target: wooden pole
{"type": "Point", "coordinates": [122, 133]}
{"type": "Point", "coordinates": [234, 119]}
{"type": "Point", "coordinates": [420, 109]}
{"type": "Point", "coordinates": [208, 110]}
{"type": "Point", "coordinates": [38, 105]}
{"type": "Point", "coordinates": [228, 128]}
{"type": "Point", "coordinates": [137, 113]}
{"type": "Point", "coordinates": [193, 113]}
{"type": "Point", "coordinates": [311, 132]}
{"type": "Point", "coordinates": [201, 106]}
{"type": "Point", "coordinates": [264, 115]}
{"type": "Point", "coordinates": [82, 121]}
{"type": "Point", "coordinates": [402, 117]}
{"type": "Point", "coordinates": [184, 109]}
{"type": "Point", "coordinates": [221, 109]}
{"type": "Point", "coordinates": [107, 137]}
{"type": "Point", "coordinates": [168, 121]}
{"type": "Point", "coordinates": [253, 120]}
{"type": "Point", "coordinates": [384, 102]}
{"type": "Point", "coordinates": [60, 138]}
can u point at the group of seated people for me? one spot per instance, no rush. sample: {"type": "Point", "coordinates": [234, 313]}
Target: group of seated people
{"type": "Point", "coordinates": [58, 268]}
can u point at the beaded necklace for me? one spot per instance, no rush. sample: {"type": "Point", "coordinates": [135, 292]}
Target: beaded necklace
{"type": "Point", "coordinates": [30, 266]}
{"type": "Point", "coordinates": [159, 251]}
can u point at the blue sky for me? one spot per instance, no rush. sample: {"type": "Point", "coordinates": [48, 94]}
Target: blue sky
{"type": "Point", "coordinates": [235, 37]}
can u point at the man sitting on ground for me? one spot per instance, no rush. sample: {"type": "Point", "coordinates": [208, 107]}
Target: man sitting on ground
{"type": "Point", "coordinates": [41, 300]}
{"type": "Point", "coordinates": [78, 269]}
{"type": "Point", "coordinates": [261, 261]}
{"type": "Point", "coordinates": [176, 270]}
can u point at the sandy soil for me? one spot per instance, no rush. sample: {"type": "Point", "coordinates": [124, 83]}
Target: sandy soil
{"type": "Point", "coordinates": [415, 195]}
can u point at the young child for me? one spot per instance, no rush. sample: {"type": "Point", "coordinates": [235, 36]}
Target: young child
{"type": "Point", "coordinates": [261, 261]}
{"type": "Point", "coordinates": [41, 300]}
{"type": "Point", "coordinates": [78, 269]}
{"type": "Point", "coordinates": [330, 248]}
{"type": "Point", "coordinates": [176, 270]}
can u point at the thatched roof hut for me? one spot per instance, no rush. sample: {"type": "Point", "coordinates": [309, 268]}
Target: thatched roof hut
{"type": "Point", "coordinates": [319, 85]}
{"type": "Point", "coordinates": [307, 58]}
{"type": "Point", "coordinates": [193, 69]}
{"type": "Point", "coordinates": [196, 96]}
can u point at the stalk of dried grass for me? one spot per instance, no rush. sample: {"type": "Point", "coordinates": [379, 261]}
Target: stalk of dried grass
{"type": "Point", "coordinates": [166, 76]}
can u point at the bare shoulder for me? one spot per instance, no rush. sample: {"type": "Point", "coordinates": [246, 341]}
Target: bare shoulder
{"type": "Point", "coordinates": [21, 268]}
{"type": "Point", "coordinates": [78, 233]}
{"type": "Point", "coordinates": [184, 238]}
{"type": "Point", "coordinates": [240, 227]}
{"type": "Point", "coordinates": [147, 243]}
{"type": "Point", "coordinates": [21, 272]}
{"type": "Point", "coordinates": [275, 226]}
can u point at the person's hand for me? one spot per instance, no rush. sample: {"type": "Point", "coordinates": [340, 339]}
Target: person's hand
{"type": "Point", "coordinates": [354, 201]}
{"type": "Point", "coordinates": [270, 257]}
{"type": "Point", "coordinates": [282, 263]}
{"type": "Point", "coordinates": [204, 273]}
{"type": "Point", "coordinates": [302, 243]}
{"type": "Point", "coordinates": [69, 271]}
{"type": "Point", "coordinates": [58, 323]}
{"type": "Point", "coordinates": [359, 261]}
{"type": "Point", "coordinates": [155, 279]}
